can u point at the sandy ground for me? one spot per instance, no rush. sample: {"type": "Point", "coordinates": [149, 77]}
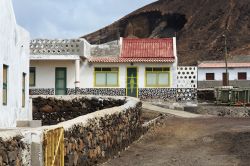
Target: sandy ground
{"type": "Point", "coordinates": [191, 142]}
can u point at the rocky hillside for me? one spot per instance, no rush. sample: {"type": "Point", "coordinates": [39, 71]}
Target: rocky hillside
{"type": "Point", "coordinates": [198, 24]}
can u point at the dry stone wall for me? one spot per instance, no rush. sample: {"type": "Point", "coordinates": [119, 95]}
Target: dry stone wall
{"type": "Point", "coordinates": [89, 139]}
{"type": "Point", "coordinates": [53, 110]}
{"type": "Point", "coordinates": [13, 150]}
{"type": "Point", "coordinates": [95, 137]}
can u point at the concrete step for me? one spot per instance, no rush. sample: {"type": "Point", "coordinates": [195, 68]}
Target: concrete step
{"type": "Point", "coordinates": [33, 123]}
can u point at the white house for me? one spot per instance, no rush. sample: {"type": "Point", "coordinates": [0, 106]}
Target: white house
{"type": "Point", "coordinates": [14, 68]}
{"type": "Point", "coordinates": [144, 68]}
{"type": "Point", "coordinates": [211, 73]}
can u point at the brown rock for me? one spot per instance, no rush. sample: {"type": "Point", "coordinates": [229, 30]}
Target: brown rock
{"type": "Point", "coordinates": [75, 158]}
{"type": "Point", "coordinates": [47, 109]}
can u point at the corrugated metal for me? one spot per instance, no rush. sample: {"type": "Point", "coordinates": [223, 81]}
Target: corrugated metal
{"type": "Point", "coordinates": [147, 48]}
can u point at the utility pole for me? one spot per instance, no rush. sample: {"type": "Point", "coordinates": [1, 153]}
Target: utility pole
{"type": "Point", "coordinates": [226, 58]}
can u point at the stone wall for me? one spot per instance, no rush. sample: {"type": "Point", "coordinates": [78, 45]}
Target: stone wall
{"type": "Point", "coordinates": [110, 49]}
{"type": "Point", "coordinates": [81, 91]}
{"type": "Point", "coordinates": [89, 139]}
{"type": "Point", "coordinates": [100, 135]}
{"type": "Point", "coordinates": [13, 150]}
{"type": "Point", "coordinates": [168, 94]}
{"type": "Point", "coordinates": [53, 110]}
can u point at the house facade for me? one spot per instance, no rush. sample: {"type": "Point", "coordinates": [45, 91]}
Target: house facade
{"type": "Point", "coordinates": [144, 68]}
{"type": "Point", "coordinates": [14, 69]}
{"type": "Point", "coordinates": [211, 73]}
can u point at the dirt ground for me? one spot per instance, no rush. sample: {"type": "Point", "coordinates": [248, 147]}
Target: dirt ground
{"type": "Point", "coordinates": [191, 142]}
{"type": "Point", "coordinates": [148, 115]}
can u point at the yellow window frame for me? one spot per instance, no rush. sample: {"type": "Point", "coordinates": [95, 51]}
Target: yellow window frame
{"type": "Point", "coordinates": [157, 85]}
{"type": "Point", "coordinates": [106, 72]}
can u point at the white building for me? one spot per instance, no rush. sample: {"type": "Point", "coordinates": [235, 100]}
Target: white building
{"type": "Point", "coordinates": [14, 68]}
{"type": "Point", "coordinates": [144, 68]}
{"type": "Point", "coordinates": [211, 73]}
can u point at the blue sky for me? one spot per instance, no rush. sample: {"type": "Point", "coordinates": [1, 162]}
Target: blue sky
{"type": "Point", "coordinates": [70, 18]}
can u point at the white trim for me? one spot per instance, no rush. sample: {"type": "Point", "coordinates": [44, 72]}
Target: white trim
{"type": "Point", "coordinates": [54, 57]}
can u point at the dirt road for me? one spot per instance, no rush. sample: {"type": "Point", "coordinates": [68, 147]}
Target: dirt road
{"type": "Point", "coordinates": [191, 142]}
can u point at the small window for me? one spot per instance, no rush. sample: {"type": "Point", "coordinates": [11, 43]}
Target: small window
{"type": "Point", "coordinates": [23, 89]}
{"type": "Point", "coordinates": [5, 84]}
{"type": "Point", "coordinates": [106, 77]}
{"type": "Point", "coordinates": [32, 76]}
{"type": "Point", "coordinates": [242, 76]}
{"type": "Point", "coordinates": [209, 76]}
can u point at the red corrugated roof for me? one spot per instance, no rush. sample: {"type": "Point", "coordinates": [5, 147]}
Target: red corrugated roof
{"type": "Point", "coordinates": [142, 50]}
{"type": "Point", "coordinates": [124, 60]}
{"type": "Point", "coordinates": [222, 64]}
{"type": "Point", "coordinates": [147, 48]}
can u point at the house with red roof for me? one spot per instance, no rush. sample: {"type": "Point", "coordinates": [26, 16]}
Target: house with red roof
{"type": "Point", "coordinates": [144, 68]}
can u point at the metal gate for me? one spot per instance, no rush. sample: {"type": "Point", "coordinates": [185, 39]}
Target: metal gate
{"type": "Point", "coordinates": [54, 147]}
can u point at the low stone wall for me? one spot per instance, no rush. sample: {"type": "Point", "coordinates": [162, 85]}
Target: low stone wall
{"type": "Point", "coordinates": [13, 150]}
{"type": "Point", "coordinates": [88, 140]}
{"type": "Point", "coordinates": [100, 135]}
{"type": "Point", "coordinates": [52, 110]}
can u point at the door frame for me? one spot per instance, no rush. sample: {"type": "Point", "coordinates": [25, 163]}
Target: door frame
{"type": "Point", "coordinates": [137, 76]}
{"type": "Point", "coordinates": [65, 80]}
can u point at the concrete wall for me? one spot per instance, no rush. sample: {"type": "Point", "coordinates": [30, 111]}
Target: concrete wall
{"type": "Point", "coordinates": [233, 77]}
{"type": "Point", "coordinates": [14, 52]}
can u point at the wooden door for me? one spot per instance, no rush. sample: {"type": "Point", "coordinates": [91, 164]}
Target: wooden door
{"type": "Point", "coordinates": [132, 88]}
{"type": "Point", "coordinates": [225, 79]}
{"type": "Point", "coordinates": [61, 81]}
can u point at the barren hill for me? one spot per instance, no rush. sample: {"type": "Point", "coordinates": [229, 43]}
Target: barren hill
{"type": "Point", "coordinates": [198, 25]}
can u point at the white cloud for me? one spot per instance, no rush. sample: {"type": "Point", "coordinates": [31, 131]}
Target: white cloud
{"type": "Point", "coordinates": [71, 18]}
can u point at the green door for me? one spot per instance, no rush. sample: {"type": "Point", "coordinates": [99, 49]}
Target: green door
{"type": "Point", "coordinates": [132, 89]}
{"type": "Point", "coordinates": [61, 81]}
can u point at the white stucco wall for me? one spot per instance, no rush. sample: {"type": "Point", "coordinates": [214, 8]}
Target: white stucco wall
{"type": "Point", "coordinates": [87, 73]}
{"type": "Point", "coordinates": [45, 72]}
{"type": "Point", "coordinates": [14, 52]}
{"type": "Point", "coordinates": [233, 73]}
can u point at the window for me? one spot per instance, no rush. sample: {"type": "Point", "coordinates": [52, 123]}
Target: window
{"type": "Point", "coordinates": [157, 76]}
{"type": "Point", "coordinates": [242, 76]}
{"type": "Point", "coordinates": [5, 84]}
{"type": "Point", "coordinates": [23, 90]}
{"type": "Point", "coordinates": [32, 76]}
{"type": "Point", "coordinates": [209, 76]}
{"type": "Point", "coordinates": [106, 77]}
